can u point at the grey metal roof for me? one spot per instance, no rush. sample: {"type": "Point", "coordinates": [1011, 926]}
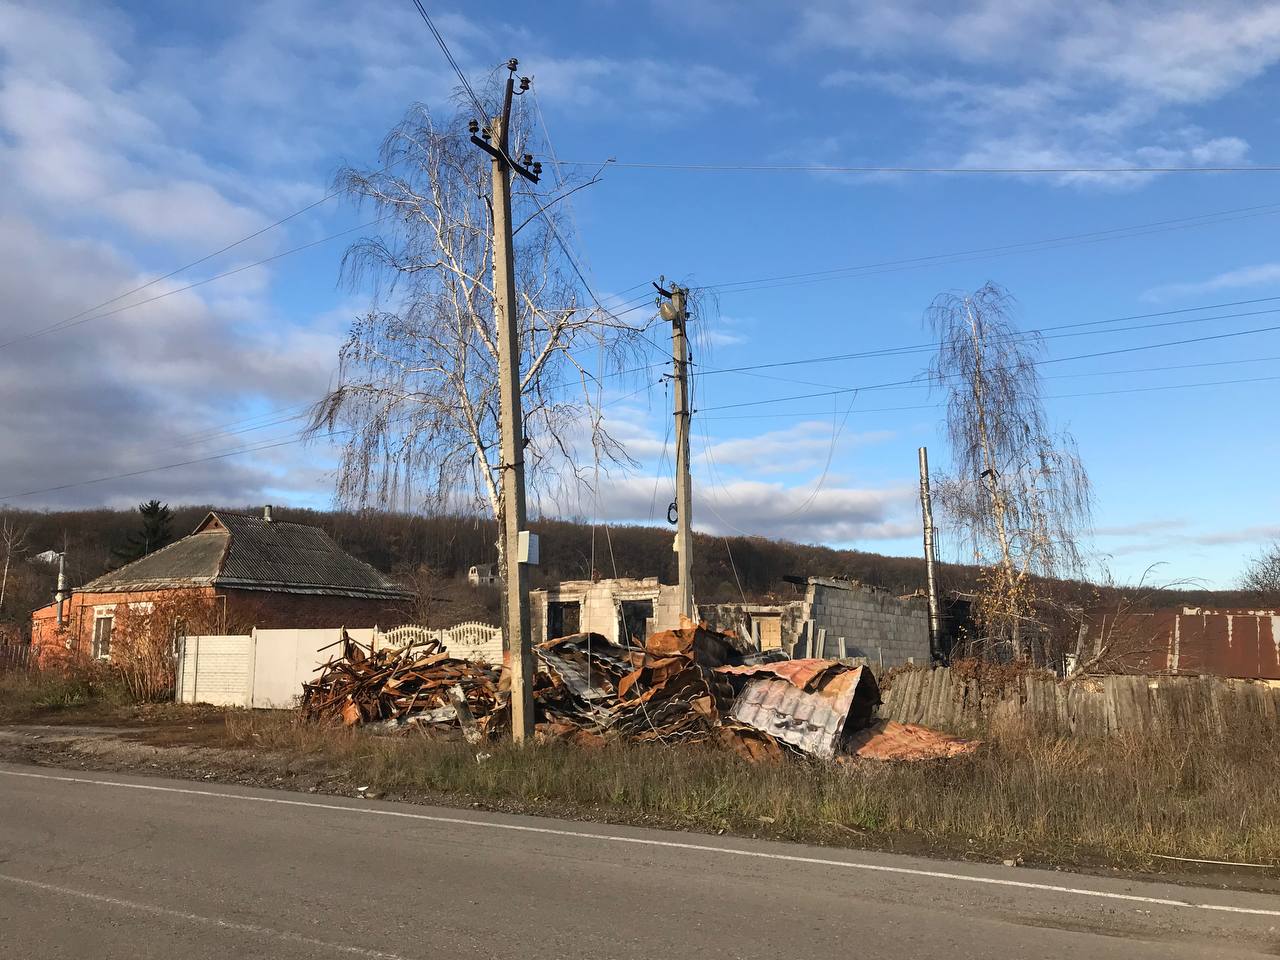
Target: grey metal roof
{"type": "Point", "coordinates": [250, 553]}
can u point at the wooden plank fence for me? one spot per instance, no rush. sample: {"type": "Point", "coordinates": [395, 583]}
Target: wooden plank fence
{"type": "Point", "coordinates": [15, 657]}
{"type": "Point", "coordinates": [1093, 707]}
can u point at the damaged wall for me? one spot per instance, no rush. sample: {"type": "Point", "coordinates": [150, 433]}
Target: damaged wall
{"type": "Point", "coordinates": [615, 608]}
{"type": "Point", "coordinates": [768, 625]}
{"type": "Point", "coordinates": [851, 619]}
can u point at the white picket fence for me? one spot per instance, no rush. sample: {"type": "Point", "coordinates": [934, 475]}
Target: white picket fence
{"type": "Point", "coordinates": [471, 641]}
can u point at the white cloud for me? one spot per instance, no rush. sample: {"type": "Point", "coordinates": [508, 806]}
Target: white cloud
{"type": "Point", "coordinates": [644, 83]}
{"type": "Point", "coordinates": [1033, 83]}
{"type": "Point", "coordinates": [1259, 275]}
{"type": "Point", "coordinates": [146, 387]}
{"type": "Point", "coordinates": [805, 446]}
{"type": "Point", "coordinates": [834, 514]}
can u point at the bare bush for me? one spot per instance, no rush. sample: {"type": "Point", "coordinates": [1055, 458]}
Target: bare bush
{"type": "Point", "coordinates": [1262, 576]}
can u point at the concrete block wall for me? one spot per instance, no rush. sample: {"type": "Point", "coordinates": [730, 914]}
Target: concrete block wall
{"type": "Point", "coordinates": [599, 602]}
{"type": "Point", "coordinates": [874, 623]}
{"type": "Point", "coordinates": [215, 670]}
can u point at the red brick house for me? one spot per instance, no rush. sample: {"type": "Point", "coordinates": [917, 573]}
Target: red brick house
{"type": "Point", "coordinates": [244, 571]}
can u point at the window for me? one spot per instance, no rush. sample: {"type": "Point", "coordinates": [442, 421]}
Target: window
{"type": "Point", "coordinates": [633, 620]}
{"type": "Point", "coordinates": [564, 618]}
{"type": "Point", "coordinates": [102, 635]}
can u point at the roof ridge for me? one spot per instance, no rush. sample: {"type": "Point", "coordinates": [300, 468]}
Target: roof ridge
{"type": "Point", "coordinates": [263, 520]}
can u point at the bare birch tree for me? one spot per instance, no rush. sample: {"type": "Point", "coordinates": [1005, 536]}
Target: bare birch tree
{"type": "Point", "coordinates": [1262, 576]}
{"type": "Point", "coordinates": [417, 396]}
{"type": "Point", "coordinates": [1017, 490]}
{"type": "Point", "coordinates": [14, 540]}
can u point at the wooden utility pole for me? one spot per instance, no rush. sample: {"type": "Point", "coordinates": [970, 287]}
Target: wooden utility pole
{"type": "Point", "coordinates": [926, 509]}
{"type": "Point", "coordinates": [676, 309]}
{"type": "Point", "coordinates": [496, 143]}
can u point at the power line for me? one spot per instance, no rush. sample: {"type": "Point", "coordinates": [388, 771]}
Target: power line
{"type": "Point", "coordinates": [172, 273]}
{"type": "Point", "coordinates": [964, 256]}
{"type": "Point", "coordinates": [1023, 335]}
{"type": "Point", "coordinates": [444, 48]}
{"type": "Point", "coordinates": [1058, 396]}
{"type": "Point", "coordinates": [167, 466]}
{"type": "Point", "coordinates": [81, 318]}
{"type": "Point", "coordinates": [928, 381]}
{"type": "Point", "coordinates": [1083, 356]}
{"type": "Point", "coordinates": [299, 437]}
{"type": "Point", "coordinates": [832, 168]}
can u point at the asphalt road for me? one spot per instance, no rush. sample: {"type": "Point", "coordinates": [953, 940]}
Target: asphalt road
{"type": "Point", "coordinates": [103, 865]}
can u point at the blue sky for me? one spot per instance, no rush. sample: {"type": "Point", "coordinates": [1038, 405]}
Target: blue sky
{"type": "Point", "coordinates": [137, 137]}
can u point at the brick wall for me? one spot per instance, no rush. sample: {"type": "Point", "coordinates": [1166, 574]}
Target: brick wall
{"type": "Point", "coordinates": [244, 609]}
{"type": "Point", "coordinates": [256, 608]}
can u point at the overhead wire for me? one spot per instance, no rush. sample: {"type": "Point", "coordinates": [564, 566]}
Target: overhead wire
{"type": "Point", "coordinates": [906, 169]}
{"type": "Point", "coordinates": [1060, 396]}
{"type": "Point", "coordinates": [444, 48]}
{"type": "Point", "coordinates": [65, 325]}
{"type": "Point", "coordinates": [1035, 333]}
{"type": "Point", "coordinates": [1083, 356]}
{"type": "Point", "coordinates": [299, 437]}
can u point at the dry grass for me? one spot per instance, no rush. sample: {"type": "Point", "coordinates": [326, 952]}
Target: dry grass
{"type": "Point", "coordinates": [1047, 799]}
{"type": "Point", "coordinates": [30, 695]}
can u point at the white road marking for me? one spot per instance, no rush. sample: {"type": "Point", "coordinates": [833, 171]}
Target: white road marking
{"type": "Point", "coordinates": [250, 928]}
{"type": "Point", "coordinates": [669, 844]}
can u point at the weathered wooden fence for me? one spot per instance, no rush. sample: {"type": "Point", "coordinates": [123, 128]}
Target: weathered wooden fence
{"type": "Point", "coordinates": [1096, 707]}
{"type": "Point", "coordinates": [15, 657]}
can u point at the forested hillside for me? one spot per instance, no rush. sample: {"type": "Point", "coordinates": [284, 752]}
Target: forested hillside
{"type": "Point", "coordinates": [433, 554]}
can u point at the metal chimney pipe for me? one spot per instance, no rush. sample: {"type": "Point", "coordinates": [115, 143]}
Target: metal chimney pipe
{"type": "Point", "coordinates": [62, 585]}
{"type": "Point", "coordinates": [266, 513]}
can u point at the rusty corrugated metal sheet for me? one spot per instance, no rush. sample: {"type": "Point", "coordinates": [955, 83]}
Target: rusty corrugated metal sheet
{"type": "Point", "coordinates": [1243, 645]}
{"type": "Point", "coordinates": [802, 673]}
{"type": "Point", "coordinates": [890, 740]}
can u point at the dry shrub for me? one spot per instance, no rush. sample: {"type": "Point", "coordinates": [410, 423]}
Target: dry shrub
{"type": "Point", "coordinates": [144, 640]}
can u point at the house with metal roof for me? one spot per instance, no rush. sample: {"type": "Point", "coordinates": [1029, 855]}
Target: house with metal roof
{"type": "Point", "coordinates": [234, 572]}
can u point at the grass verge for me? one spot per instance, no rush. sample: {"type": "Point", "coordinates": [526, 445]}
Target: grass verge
{"type": "Point", "coordinates": [1050, 800]}
{"type": "Point", "coordinates": [31, 695]}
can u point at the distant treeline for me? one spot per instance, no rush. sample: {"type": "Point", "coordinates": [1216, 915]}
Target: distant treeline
{"type": "Point", "coordinates": [404, 544]}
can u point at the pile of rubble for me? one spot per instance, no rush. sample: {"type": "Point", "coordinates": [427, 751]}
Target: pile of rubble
{"type": "Point", "coordinates": [684, 686]}
{"type": "Point", "coordinates": [422, 684]}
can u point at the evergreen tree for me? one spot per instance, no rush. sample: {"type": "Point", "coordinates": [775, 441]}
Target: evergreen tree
{"type": "Point", "coordinates": [155, 532]}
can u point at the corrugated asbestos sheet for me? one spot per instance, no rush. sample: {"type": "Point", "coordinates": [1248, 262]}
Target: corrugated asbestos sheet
{"type": "Point", "coordinates": [192, 561]}
{"type": "Point", "coordinates": [265, 553]}
{"type": "Point", "coordinates": [253, 554]}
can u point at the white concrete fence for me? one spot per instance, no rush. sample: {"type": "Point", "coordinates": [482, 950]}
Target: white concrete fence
{"type": "Point", "coordinates": [267, 668]}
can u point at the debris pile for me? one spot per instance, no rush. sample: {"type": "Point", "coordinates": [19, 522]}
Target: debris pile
{"type": "Point", "coordinates": [420, 684]}
{"type": "Point", "coordinates": [691, 685]}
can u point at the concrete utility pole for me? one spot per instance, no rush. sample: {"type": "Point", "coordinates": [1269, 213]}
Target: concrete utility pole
{"type": "Point", "coordinates": [676, 309]}
{"type": "Point", "coordinates": [926, 509]}
{"type": "Point", "coordinates": [496, 143]}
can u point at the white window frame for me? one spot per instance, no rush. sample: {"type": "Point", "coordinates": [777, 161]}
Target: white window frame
{"type": "Point", "coordinates": [104, 612]}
